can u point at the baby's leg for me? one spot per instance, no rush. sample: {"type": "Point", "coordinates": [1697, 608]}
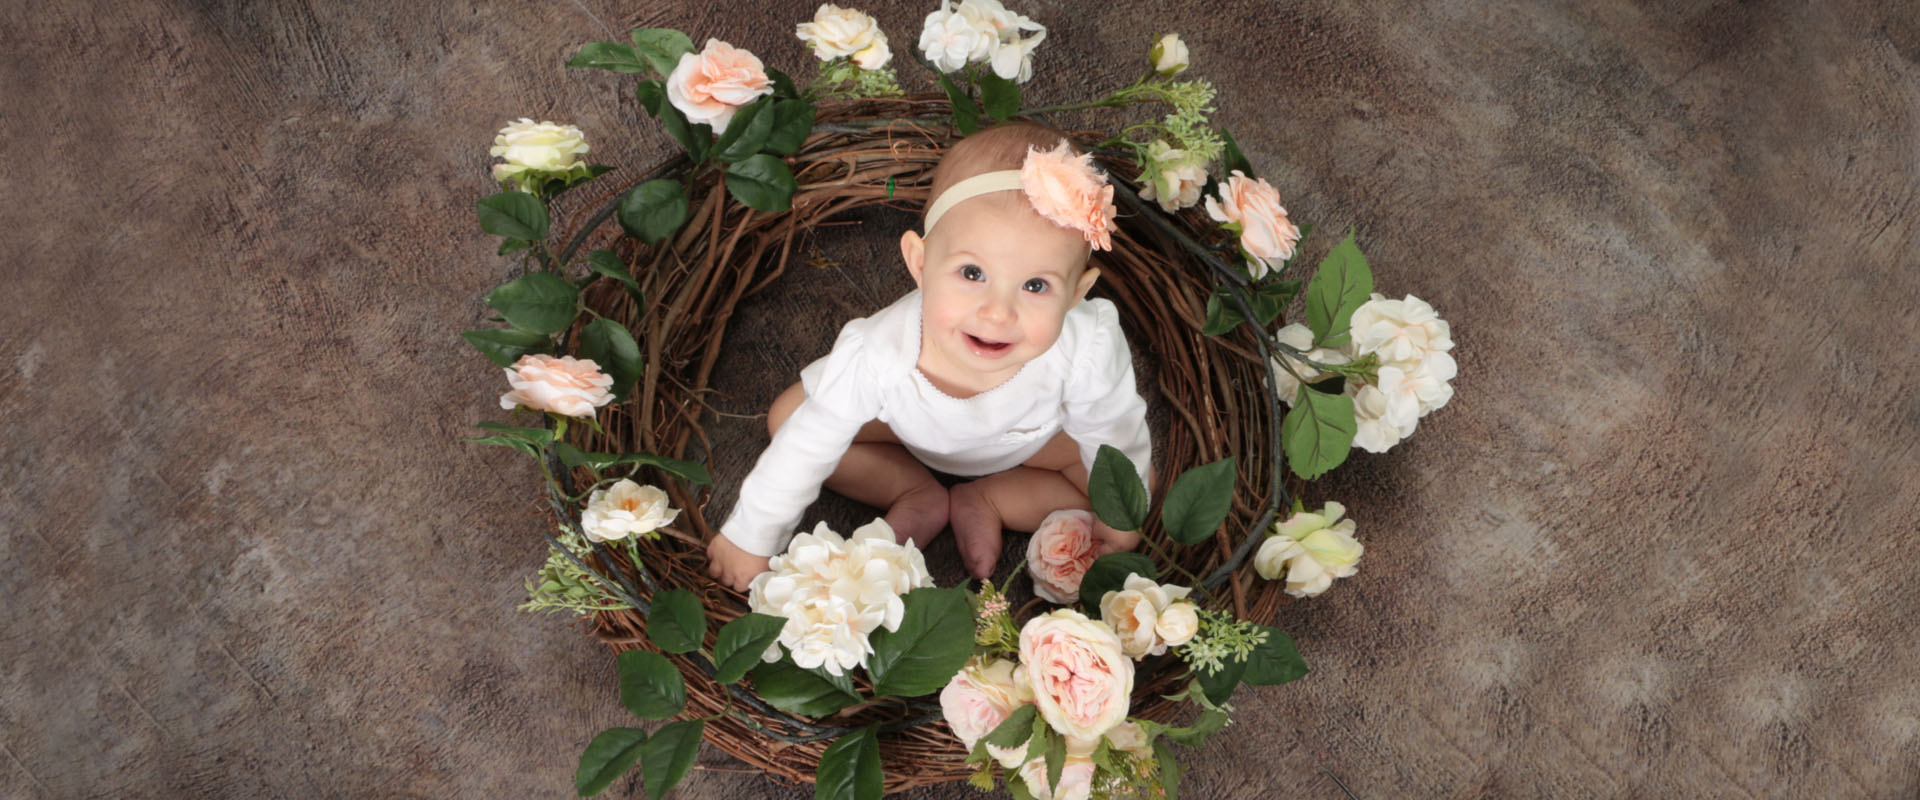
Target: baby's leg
{"type": "Point", "coordinates": [879, 472]}
{"type": "Point", "coordinates": [1019, 498]}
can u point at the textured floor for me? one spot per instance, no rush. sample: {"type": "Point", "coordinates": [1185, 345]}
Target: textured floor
{"type": "Point", "coordinates": [1662, 543]}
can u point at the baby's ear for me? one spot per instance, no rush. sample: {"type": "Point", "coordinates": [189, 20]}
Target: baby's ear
{"type": "Point", "coordinates": [1086, 282]}
{"type": "Point", "coordinates": [913, 250]}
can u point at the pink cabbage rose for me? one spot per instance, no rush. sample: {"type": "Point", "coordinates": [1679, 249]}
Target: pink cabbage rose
{"type": "Point", "coordinates": [1059, 554]}
{"type": "Point", "coordinates": [1081, 680]}
{"type": "Point", "coordinates": [979, 698]}
{"type": "Point", "coordinates": [564, 385]}
{"type": "Point", "coordinates": [1265, 232]}
{"type": "Point", "coordinates": [713, 84]}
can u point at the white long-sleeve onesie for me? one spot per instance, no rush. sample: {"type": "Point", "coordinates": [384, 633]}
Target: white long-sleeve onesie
{"type": "Point", "coordinates": [1083, 385]}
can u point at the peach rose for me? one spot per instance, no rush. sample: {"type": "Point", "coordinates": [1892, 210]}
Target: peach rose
{"type": "Point", "coordinates": [1060, 553]}
{"type": "Point", "coordinates": [1266, 235]}
{"type": "Point", "coordinates": [564, 385]}
{"type": "Point", "coordinates": [1076, 778]}
{"type": "Point", "coordinates": [1134, 612]}
{"type": "Point", "coordinates": [626, 509]}
{"type": "Point", "coordinates": [1081, 680]}
{"type": "Point", "coordinates": [1069, 192]}
{"type": "Point", "coordinates": [979, 698]}
{"type": "Point", "coordinates": [712, 85]}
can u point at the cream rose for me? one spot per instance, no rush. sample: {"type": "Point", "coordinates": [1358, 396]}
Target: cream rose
{"type": "Point", "coordinates": [836, 32]}
{"type": "Point", "coordinates": [710, 86]}
{"type": "Point", "coordinates": [1266, 235]}
{"type": "Point", "coordinates": [874, 56]}
{"type": "Point", "coordinates": [564, 385]}
{"type": "Point", "coordinates": [1174, 177]}
{"type": "Point", "coordinates": [539, 147]}
{"type": "Point", "coordinates": [1076, 777]}
{"type": "Point", "coordinates": [1129, 737]}
{"type": "Point", "coordinates": [1060, 553]}
{"type": "Point", "coordinates": [951, 41]}
{"type": "Point", "coordinates": [1178, 623]}
{"type": "Point", "coordinates": [1315, 547]}
{"type": "Point", "coordinates": [1133, 612]}
{"type": "Point", "coordinates": [1081, 680]}
{"type": "Point", "coordinates": [1299, 337]}
{"type": "Point", "coordinates": [979, 698]}
{"type": "Point", "coordinates": [626, 509]}
{"type": "Point", "coordinates": [1169, 55]}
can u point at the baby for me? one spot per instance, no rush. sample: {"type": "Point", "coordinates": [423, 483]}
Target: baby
{"type": "Point", "coordinates": [996, 367]}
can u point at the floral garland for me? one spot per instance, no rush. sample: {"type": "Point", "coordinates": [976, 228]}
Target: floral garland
{"type": "Point", "coordinates": [1043, 703]}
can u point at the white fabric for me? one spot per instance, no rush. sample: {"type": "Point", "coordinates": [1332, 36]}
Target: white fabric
{"type": "Point", "coordinates": [1001, 181]}
{"type": "Point", "coordinates": [1083, 385]}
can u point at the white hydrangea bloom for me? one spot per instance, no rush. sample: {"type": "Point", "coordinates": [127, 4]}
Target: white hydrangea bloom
{"type": "Point", "coordinates": [836, 591]}
{"type": "Point", "coordinates": [1299, 337]}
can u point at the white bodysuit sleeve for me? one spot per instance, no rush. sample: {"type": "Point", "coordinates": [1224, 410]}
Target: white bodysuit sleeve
{"type": "Point", "coordinates": [841, 397]}
{"type": "Point", "coordinates": [1103, 404]}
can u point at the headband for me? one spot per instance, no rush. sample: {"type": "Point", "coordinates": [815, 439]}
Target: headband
{"type": "Point", "coordinates": [1064, 188]}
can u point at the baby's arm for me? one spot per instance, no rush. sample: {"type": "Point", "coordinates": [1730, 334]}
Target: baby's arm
{"type": "Point", "coordinates": [1104, 406]}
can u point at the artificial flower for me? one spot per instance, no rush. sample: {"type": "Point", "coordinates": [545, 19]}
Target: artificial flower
{"type": "Point", "coordinates": [1266, 235]}
{"type": "Point", "coordinates": [979, 697]}
{"type": "Point", "coordinates": [836, 32]}
{"type": "Point", "coordinates": [1178, 623]}
{"type": "Point", "coordinates": [1070, 192]}
{"type": "Point", "coordinates": [1060, 553]}
{"type": "Point", "coordinates": [1134, 612]}
{"type": "Point", "coordinates": [1299, 337]}
{"type": "Point", "coordinates": [1076, 776]}
{"type": "Point", "coordinates": [1386, 411]}
{"type": "Point", "coordinates": [981, 31]}
{"type": "Point", "coordinates": [626, 509]}
{"type": "Point", "coordinates": [712, 85]}
{"type": "Point", "coordinates": [1402, 333]}
{"type": "Point", "coordinates": [874, 56]}
{"type": "Point", "coordinates": [1313, 547]}
{"type": "Point", "coordinates": [1171, 176]}
{"type": "Point", "coordinates": [1169, 55]}
{"type": "Point", "coordinates": [1082, 682]}
{"type": "Point", "coordinates": [1129, 737]}
{"type": "Point", "coordinates": [950, 41]}
{"type": "Point", "coordinates": [533, 150]}
{"type": "Point", "coordinates": [564, 385]}
{"type": "Point", "coordinates": [835, 592]}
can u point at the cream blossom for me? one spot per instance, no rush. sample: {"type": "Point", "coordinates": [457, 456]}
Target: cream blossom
{"type": "Point", "coordinates": [1175, 177]}
{"type": "Point", "coordinates": [564, 385]}
{"type": "Point", "coordinates": [1129, 737]}
{"type": "Point", "coordinates": [979, 697]}
{"type": "Point", "coordinates": [1178, 623]}
{"type": "Point", "coordinates": [1266, 235]}
{"type": "Point", "coordinates": [950, 41]}
{"type": "Point", "coordinates": [1134, 612]}
{"type": "Point", "coordinates": [1299, 337]}
{"type": "Point", "coordinates": [874, 56]}
{"type": "Point", "coordinates": [1076, 777]}
{"type": "Point", "coordinates": [712, 85]}
{"type": "Point", "coordinates": [981, 31]}
{"type": "Point", "coordinates": [1060, 553]}
{"type": "Point", "coordinates": [1169, 55]}
{"type": "Point", "coordinates": [835, 32]}
{"type": "Point", "coordinates": [626, 509]}
{"type": "Point", "coordinates": [1313, 547]}
{"type": "Point", "coordinates": [1401, 332]}
{"type": "Point", "coordinates": [835, 592]}
{"type": "Point", "coordinates": [1081, 680]}
{"type": "Point", "coordinates": [536, 147]}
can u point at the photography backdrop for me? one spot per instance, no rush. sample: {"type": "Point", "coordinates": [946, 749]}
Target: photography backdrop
{"type": "Point", "coordinates": [1660, 544]}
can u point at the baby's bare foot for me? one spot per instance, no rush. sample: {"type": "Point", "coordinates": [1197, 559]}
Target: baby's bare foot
{"type": "Point", "coordinates": [919, 515]}
{"type": "Point", "coordinates": [976, 527]}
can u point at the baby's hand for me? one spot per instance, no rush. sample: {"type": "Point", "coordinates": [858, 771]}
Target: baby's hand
{"type": "Point", "coordinates": [1107, 540]}
{"type": "Point", "coordinates": [730, 565]}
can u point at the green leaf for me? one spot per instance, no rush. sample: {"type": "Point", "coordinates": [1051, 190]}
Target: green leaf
{"type": "Point", "coordinates": [515, 215]}
{"type": "Point", "coordinates": [782, 84]}
{"type": "Point", "coordinates": [537, 436]}
{"type": "Point", "coordinates": [1056, 758]}
{"type": "Point", "coordinates": [1318, 432]}
{"type": "Point", "coordinates": [1272, 297]}
{"type": "Point", "coordinates": [686, 470]}
{"type": "Point", "coordinates": [1234, 159]}
{"type": "Point", "coordinates": [850, 769]}
{"type": "Point", "coordinates": [507, 441]}
{"type": "Point", "coordinates": [1268, 300]}
{"type": "Point", "coordinates": [1209, 723]}
{"type": "Point", "coordinates": [695, 139]}
{"type": "Point", "coordinates": [800, 691]}
{"type": "Point", "coordinates": [605, 262]}
{"type": "Point", "coordinates": [1218, 686]}
{"type": "Point", "coordinates": [1109, 573]}
{"type": "Point", "coordinates": [539, 302]}
{"type": "Point", "coordinates": [933, 643]}
{"type": "Point", "coordinates": [1222, 314]}
{"type": "Point", "coordinates": [746, 133]}
{"type": "Point", "coordinates": [513, 246]}
{"type": "Point", "coordinates": [1118, 497]}
{"type": "Point", "coordinates": [678, 623]}
{"type": "Point", "coordinates": [1000, 96]}
{"type": "Point", "coordinates": [652, 95]}
{"type": "Point", "coordinates": [611, 346]}
{"type": "Point", "coordinates": [606, 758]}
{"type": "Point", "coordinates": [609, 56]}
{"type": "Point", "coordinates": [654, 210]}
{"type": "Point", "coordinates": [966, 116]}
{"type": "Point", "coordinates": [792, 124]}
{"type": "Point", "coordinates": [1170, 771]}
{"type": "Point", "coordinates": [666, 757]}
{"type": "Point", "coordinates": [1016, 729]}
{"type": "Point", "coordinates": [1198, 501]}
{"type": "Point", "coordinates": [1275, 661]}
{"type": "Point", "coordinates": [1340, 286]}
{"type": "Point", "coordinates": [742, 642]}
{"type": "Point", "coordinates": [650, 685]}
{"type": "Point", "coordinates": [504, 346]}
{"type": "Point", "coordinates": [1017, 788]}
{"type": "Point", "coordinates": [762, 182]}
{"type": "Point", "coordinates": [662, 47]}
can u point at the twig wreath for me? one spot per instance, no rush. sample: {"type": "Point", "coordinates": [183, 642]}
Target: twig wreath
{"type": "Point", "coordinates": [613, 339]}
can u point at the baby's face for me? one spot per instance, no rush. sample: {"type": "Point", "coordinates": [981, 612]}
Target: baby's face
{"type": "Point", "coordinates": [996, 284]}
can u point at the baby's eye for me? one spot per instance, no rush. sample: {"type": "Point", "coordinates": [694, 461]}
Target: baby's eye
{"type": "Point", "coordinates": [1035, 285]}
{"type": "Point", "coordinates": [972, 273]}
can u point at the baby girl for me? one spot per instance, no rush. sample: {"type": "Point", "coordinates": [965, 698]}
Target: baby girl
{"type": "Point", "coordinates": [997, 367]}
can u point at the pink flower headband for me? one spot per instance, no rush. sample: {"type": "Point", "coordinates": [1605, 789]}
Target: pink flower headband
{"type": "Point", "coordinates": [1064, 188]}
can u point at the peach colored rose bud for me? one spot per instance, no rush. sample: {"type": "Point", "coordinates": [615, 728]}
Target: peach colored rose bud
{"type": "Point", "coordinates": [564, 385]}
{"type": "Point", "coordinates": [712, 85]}
{"type": "Point", "coordinates": [1266, 235]}
{"type": "Point", "coordinates": [1060, 553]}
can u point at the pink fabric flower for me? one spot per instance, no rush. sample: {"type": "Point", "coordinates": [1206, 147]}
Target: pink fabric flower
{"type": "Point", "coordinates": [979, 698]}
{"type": "Point", "coordinates": [1081, 680]}
{"type": "Point", "coordinates": [1069, 192]}
{"type": "Point", "coordinates": [564, 385]}
{"type": "Point", "coordinates": [1060, 553]}
{"type": "Point", "coordinates": [1266, 234]}
{"type": "Point", "coordinates": [713, 84]}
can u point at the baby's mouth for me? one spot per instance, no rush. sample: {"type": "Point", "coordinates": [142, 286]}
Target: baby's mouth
{"type": "Point", "coordinates": [986, 347]}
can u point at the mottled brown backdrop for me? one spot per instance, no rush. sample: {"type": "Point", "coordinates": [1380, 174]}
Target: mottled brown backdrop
{"type": "Point", "coordinates": [1661, 544]}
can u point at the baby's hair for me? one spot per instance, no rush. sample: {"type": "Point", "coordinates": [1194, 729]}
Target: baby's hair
{"type": "Point", "coordinates": [1002, 146]}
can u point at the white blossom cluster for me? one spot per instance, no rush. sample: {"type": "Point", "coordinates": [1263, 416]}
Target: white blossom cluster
{"type": "Point", "coordinates": [836, 591]}
{"type": "Point", "coordinates": [1411, 342]}
{"type": "Point", "coordinates": [981, 32]}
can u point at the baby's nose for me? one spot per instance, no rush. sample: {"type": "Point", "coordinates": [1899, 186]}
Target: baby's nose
{"type": "Point", "coordinates": [996, 309]}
